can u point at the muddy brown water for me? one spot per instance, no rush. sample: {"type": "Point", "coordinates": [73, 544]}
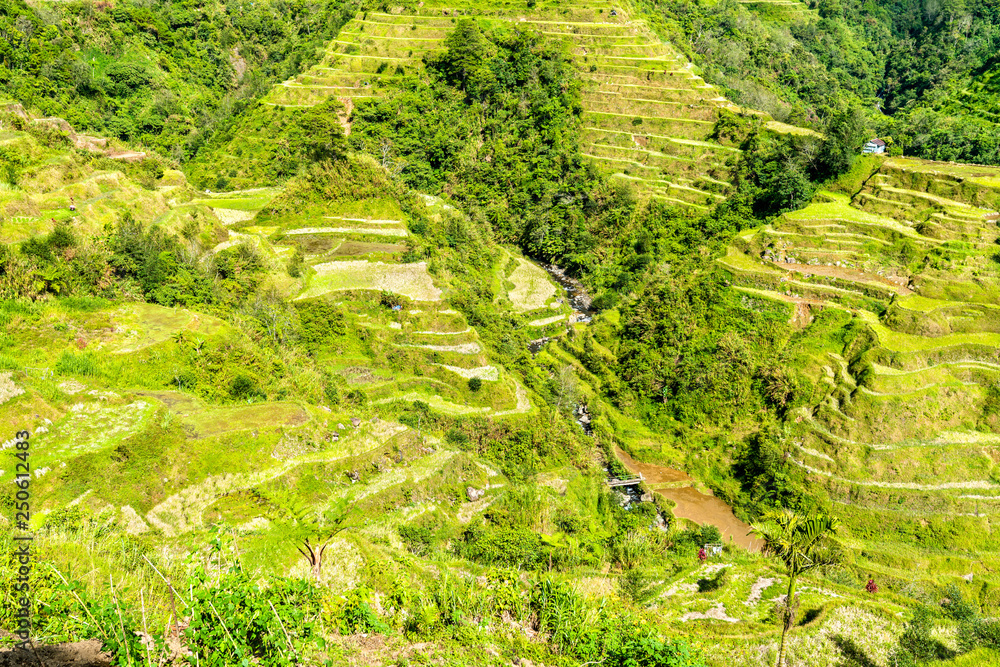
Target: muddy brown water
{"type": "Point", "coordinates": [691, 503]}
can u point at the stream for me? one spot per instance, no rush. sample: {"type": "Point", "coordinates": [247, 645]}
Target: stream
{"type": "Point", "coordinates": [674, 485]}
{"type": "Point", "coordinates": [575, 294]}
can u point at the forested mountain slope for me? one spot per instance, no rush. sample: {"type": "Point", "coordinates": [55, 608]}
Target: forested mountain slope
{"type": "Point", "coordinates": [163, 76]}
{"type": "Point", "coordinates": [322, 316]}
{"type": "Point", "coordinates": [920, 71]}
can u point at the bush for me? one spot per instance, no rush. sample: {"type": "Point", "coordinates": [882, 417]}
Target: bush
{"type": "Point", "coordinates": [500, 546]}
{"type": "Point", "coordinates": [321, 321]}
{"type": "Point", "coordinates": [715, 583]}
{"type": "Point", "coordinates": [356, 615]}
{"type": "Point", "coordinates": [457, 437]}
{"type": "Point", "coordinates": [243, 387]}
{"type": "Point", "coordinates": [418, 539]}
{"type": "Point", "coordinates": [251, 626]}
{"type": "Point", "coordinates": [475, 384]}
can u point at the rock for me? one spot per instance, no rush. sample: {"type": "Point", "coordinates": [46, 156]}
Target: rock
{"type": "Point", "coordinates": [341, 426]}
{"type": "Point", "coordinates": [15, 109]}
{"type": "Point", "coordinates": [967, 577]}
{"type": "Point", "coordinates": [354, 476]}
{"type": "Point", "coordinates": [646, 497]}
{"type": "Point", "coordinates": [355, 422]}
{"type": "Point", "coordinates": [474, 494]}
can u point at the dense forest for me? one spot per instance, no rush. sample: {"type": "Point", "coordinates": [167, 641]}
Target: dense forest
{"type": "Point", "coordinates": [163, 76]}
{"type": "Point", "coordinates": [922, 71]}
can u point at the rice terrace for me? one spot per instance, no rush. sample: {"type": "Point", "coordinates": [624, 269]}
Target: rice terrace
{"type": "Point", "coordinates": [545, 333]}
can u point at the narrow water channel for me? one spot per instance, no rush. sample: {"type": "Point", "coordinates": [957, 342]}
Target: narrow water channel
{"type": "Point", "coordinates": [574, 294]}
{"type": "Point", "coordinates": [690, 503]}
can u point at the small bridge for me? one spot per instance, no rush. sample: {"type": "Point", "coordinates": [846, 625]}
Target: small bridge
{"type": "Point", "coordinates": [632, 481]}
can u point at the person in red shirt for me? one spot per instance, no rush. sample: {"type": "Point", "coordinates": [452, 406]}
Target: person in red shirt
{"type": "Point", "coordinates": [871, 586]}
{"type": "Point", "coordinates": [702, 554]}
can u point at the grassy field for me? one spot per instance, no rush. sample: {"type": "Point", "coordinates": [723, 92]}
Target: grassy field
{"type": "Point", "coordinates": [409, 280]}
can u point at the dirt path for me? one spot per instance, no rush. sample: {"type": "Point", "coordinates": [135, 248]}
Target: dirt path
{"type": "Point", "coordinates": [690, 502]}
{"type": "Point", "coordinates": [899, 285]}
{"type": "Point", "coordinates": [77, 654]}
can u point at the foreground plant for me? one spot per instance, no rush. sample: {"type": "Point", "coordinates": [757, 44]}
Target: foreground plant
{"type": "Point", "coordinates": [801, 544]}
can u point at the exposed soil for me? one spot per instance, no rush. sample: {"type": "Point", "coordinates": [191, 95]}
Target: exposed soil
{"type": "Point", "coordinates": [896, 283]}
{"type": "Point", "coordinates": [691, 503]}
{"type": "Point", "coordinates": [75, 654]}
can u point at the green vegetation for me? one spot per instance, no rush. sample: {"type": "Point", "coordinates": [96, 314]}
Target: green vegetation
{"type": "Point", "coordinates": [166, 79]}
{"type": "Point", "coordinates": [800, 544]}
{"type": "Point", "coordinates": [905, 59]}
{"type": "Point", "coordinates": [333, 409]}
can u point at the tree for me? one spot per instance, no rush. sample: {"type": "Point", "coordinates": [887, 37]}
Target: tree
{"type": "Point", "coordinates": [465, 62]}
{"type": "Point", "coordinates": [801, 544]}
{"type": "Point", "coordinates": [313, 533]}
{"type": "Point", "coordinates": [318, 135]}
{"type": "Point", "coordinates": [845, 135]}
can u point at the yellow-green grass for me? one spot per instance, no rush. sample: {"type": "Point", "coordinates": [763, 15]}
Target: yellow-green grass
{"type": "Point", "coordinates": [902, 342]}
{"type": "Point", "coordinates": [89, 428]}
{"type": "Point", "coordinates": [894, 381]}
{"type": "Point", "coordinates": [253, 200]}
{"type": "Point", "coordinates": [206, 423]}
{"type": "Point", "coordinates": [143, 325]}
{"type": "Point", "coordinates": [923, 304]}
{"type": "Point", "coordinates": [741, 262]}
{"type": "Point", "coordinates": [838, 207]}
{"type": "Point", "coordinates": [409, 280]}
{"type": "Point", "coordinates": [980, 657]}
{"type": "Point", "coordinates": [958, 207]}
{"type": "Point", "coordinates": [784, 128]}
{"type": "Point", "coordinates": [974, 171]}
{"type": "Point", "coordinates": [532, 287]}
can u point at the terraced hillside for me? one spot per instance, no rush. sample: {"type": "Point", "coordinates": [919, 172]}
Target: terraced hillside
{"type": "Point", "coordinates": [431, 350]}
{"type": "Point", "coordinates": [91, 383]}
{"type": "Point", "coordinates": [894, 284]}
{"type": "Point", "coordinates": [648, 117]}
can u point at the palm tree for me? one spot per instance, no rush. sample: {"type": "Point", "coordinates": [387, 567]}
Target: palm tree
{"type": "Point", "coordinates": [801, 544]}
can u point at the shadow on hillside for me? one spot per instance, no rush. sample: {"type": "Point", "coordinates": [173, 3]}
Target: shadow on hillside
{"type": "Point", "coordinates": [854, 655]}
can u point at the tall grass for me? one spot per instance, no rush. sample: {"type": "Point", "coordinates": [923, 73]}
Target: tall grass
{"type": "Point", "coordinates": [76, 364]}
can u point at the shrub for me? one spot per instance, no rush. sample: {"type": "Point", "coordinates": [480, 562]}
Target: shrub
{"type": "Point", "coordinates": [475, 384]}
{"type": "Point", "coordinates": [707, 585]}
{"type": "Point", "coordinates": [321, 321]}
{"type": "Point", "coordinates": [243, 386]}
{"type": "Point", "coordinates": [500, 546]}
{"type": "Point", "coordinates": [457, 437]}
{"type": "Point", "coordinates": [418, 539]}
{"type": "Point", "coordinates": [357, 615]}
{"type": "Point", "coordinates": [636, 587]}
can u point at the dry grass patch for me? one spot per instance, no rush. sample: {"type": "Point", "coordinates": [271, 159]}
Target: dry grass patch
{"type": "Point", "coordinates": [409, 280]}
{"type": "Point", "coordinates": [532, 287]}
